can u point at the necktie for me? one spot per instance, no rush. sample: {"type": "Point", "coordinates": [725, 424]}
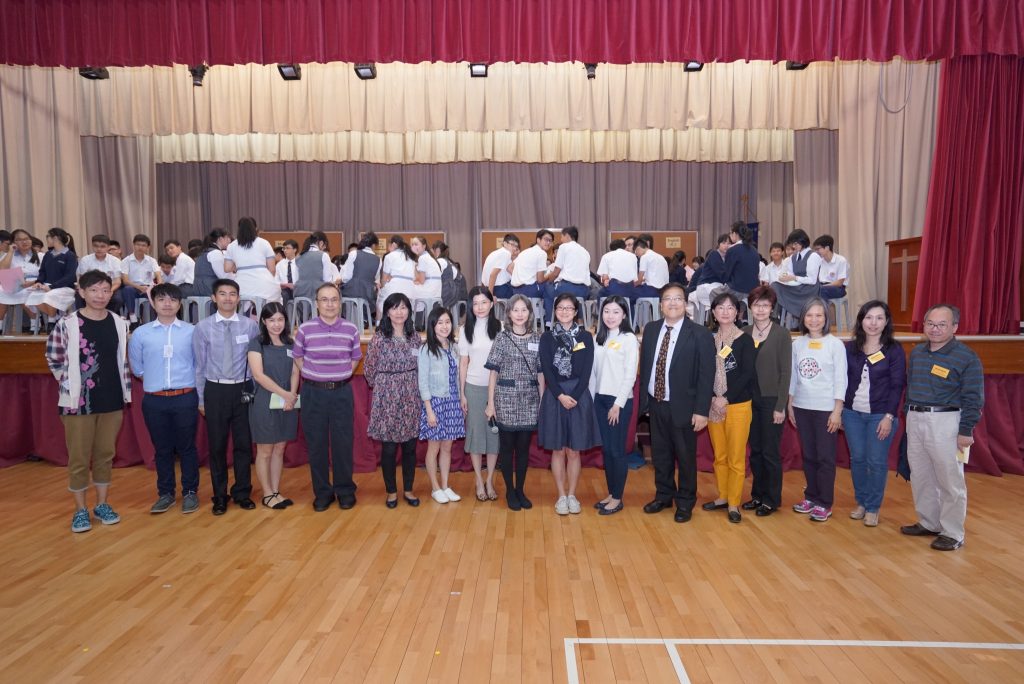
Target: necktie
{"type": "Point", "coordinates": [227, 359]}
{"type": "Point", "coordinates": [659, 366]}
{"type": "Point", "coordinates": [289, 271]}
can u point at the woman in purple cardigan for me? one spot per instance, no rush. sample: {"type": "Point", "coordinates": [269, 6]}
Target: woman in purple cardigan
{"type": "Point", "coordinates": [877, 373]}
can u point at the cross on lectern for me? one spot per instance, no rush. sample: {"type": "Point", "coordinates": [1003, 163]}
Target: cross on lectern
{"type": "Point", "coordinates": [904, 261]}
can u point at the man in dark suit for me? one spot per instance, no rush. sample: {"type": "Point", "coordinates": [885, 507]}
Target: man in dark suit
{"type": "Point", "coordinates": [677, 376]}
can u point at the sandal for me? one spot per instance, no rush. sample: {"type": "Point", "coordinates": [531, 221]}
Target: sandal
{"type": "Point", "coordinates": [270, 497]}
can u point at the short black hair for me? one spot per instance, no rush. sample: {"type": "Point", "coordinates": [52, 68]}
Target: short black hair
{"type": "Point", "coordinates": [98, 239]}
{"type": "Point", "coordinates": [509, 237]}
{"type": "Point", "coordinates": [672, 285]}
{"type": "Point", "coordinates": [166, 290]}
{"type": "Point", "coordinates": [5, 236]}
{"type": "Point", "coordinates": [290, 243]}
{"type": "Point", "coordinates": [573, 232]}
{"type": "Point", "coordinates": [617, 243]}
{"type": "Point", "coordinates": [776, 245]}
{"type": "Point", "coordinates": [222, 282]}
{"type": "Point", "coordinates": [544, 232]}
{"type": "Point", "coordinates": [724, 237]}
{"type": "Point", "coordinates": [172, 241]}
{"type": "Point", "coordinates": [93, 277]}
{"type": "Point", "coordinates": [166, 260]}
{"type": "Point", "coordinates": [824, 241]}
{"type": "Point", "coordinates": [144, 239]}
{"type": "Point", "coordinates": [641, 243]}
{"type": "Point", "coordinates": [800, 237]}
{"type": "Point", "coordinates": [114, 243]}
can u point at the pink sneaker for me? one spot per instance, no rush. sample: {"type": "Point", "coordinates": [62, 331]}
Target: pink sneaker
{"type": "Point", "coordinates": [804, 507]}
{"type": "Point", "coordinates": [821, 514]}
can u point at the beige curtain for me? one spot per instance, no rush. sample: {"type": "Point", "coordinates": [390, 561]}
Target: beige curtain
{"type": "Point", "coordinates": [41, 182]}
{"type": "Point", "coordinates": [120, 185]}
{"type": "Point", "coordinates": [432, 147]}
{"type": "Point", "coordinates": [886, 143]}
{"type": "Point", "coordinates": [465, 198]}
{"type": "Point", "coordinates": [815, 179]}
{"type": "Point", "coordinates": [329, 98]}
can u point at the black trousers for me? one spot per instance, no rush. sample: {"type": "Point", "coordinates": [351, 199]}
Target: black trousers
{"type": "Point", "coordinates": [673, 447]}
{"type": "Point", "coordinates": [765, 459]}
{"type": "Point", "coordinates": [327, 426]}
{"type": "Point", "coordinates": [388, 451]}
{"type": "Point", "coordinates": [818, 450]}
{"type": "Point", "coordinates": [514, 457]}
{"type": "Point", "coordinates": [227, 415]}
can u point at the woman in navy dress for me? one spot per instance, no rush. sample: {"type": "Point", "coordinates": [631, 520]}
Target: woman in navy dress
{"type": "Point", "coordinates": [441, 420]}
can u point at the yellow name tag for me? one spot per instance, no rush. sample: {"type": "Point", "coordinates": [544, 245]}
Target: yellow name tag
{"type": "Point", "coordinates": [579, 345]}
{"type": "Point", "coordinates": [940, 371]}
{"type": "Point", "coordinates": [876, 357]}
{"type": "Point", "coordinates": [614, 345]}
{"type": "Point", "coordinates": [726, 350]}
{"type": "Point", "coordinates": [757, 343]}
{"type": "Point", "coordinates": [814, 344]}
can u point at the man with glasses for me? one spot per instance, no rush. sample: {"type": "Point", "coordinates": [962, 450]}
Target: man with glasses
{"type": "Point", "coordinates": [677, 374]}
{"type": "Point", "coordinates": [945, 395]}
{"type": "Point", "coordinates": [326, 351]}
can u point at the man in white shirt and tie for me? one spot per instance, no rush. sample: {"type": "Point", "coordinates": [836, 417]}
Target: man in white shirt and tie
{"type": "Point", "coordinates": [529, 270]}
{"type": "Point", "coordinates": [496, 274]}
{"type": "Point", "coordinates": [286, 272]}
{"type": "Point", "coordinates": [571, 272]}
{"type": "Point", "coordinates": [618, 271]}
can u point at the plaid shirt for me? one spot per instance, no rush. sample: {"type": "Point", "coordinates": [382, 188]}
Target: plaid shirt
{"type": "Point", "coordinates": [62, 356]}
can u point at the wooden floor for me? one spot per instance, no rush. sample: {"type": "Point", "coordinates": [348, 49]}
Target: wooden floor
{"type": "Point", "coordinates": [472, 592]}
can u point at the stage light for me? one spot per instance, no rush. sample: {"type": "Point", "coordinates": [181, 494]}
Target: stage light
{"type": "Point", "coordinates": [691, 67]}
{"type": "Point", "coordinates": [591, 70]}
{"type": "Point", "coordinates": [796, 66]}
{"type": "Point", "coordinates": [94, 73]}
{"type": "Point", "coordinates": [290, 72]}
{"type": "Point", "coordinates": [366, 71]}
{"type": "Point", "coordinates": [478, 70]}
{"type": "Point", "coordinates": [198, 71]}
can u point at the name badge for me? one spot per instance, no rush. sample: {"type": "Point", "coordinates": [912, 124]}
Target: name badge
{"type": "Point", "coordinates": [168, 351]}
{"type": "Point", "coordinates": [579, 345]}
{"type": "Point", "coordinates": [815, 344]}
{"type": "Point", "coordinates": [289, 353]}
{"type": "Point", "coordinates": [725, 351]}
{"type": "Point", "coordinates": [940, 371]}
{"type": "Point", "coordinates": [532, 346]}
{"type": "Point", "coordinates": [757, 343]}
{"type": "Point", "coordinates": [876, 357]}
{"type": "Point", "coordinates": [615, 346]}
{"type": "Point", "coordinates": [241, 339]}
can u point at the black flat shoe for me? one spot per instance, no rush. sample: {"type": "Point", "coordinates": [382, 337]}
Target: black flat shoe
{"type": "Point", "coordinates": [712, 506]}
{"type": "Point", "coordinates": [412, 501]}
{"type": "Point", "coordinates": [599, 505]}
{"type": "Point", "coordinates": [683, 515]}
{"type": "Point", "coordinates": [513, 501]}
{"type": "Point", "coordinates": [609, 511]}
{"type": "Point", "coordinates": [751, 505]}
{"type": "Point", "coordinates": [220, 505]}
{"type": "Point", "coordinates": [735, 517]}
{"type": "Point", "coordinates": [764, 510]}
{"type": "Point", "coordinates": [278, 506]}
{"type": "Point", "coordinates": [288, 502]}
{"type": "Point", "coordinates": [245, 504]}
{"type": "Point", "coordinates": [655, 506]}
{"type": "Point", "coordinates": [523, 501]}
{"type": "Point", "coordinates": [391, 503]}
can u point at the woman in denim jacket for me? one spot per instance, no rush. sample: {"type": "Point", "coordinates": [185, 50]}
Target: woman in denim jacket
{"type": "Point", "coordinates": [441, 419]}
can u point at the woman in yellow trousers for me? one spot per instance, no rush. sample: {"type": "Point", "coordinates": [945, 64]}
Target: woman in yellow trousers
{"type": "Point", "coordinates": [731, 407]}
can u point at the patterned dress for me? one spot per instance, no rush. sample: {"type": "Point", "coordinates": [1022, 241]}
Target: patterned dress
{"type": "Point", "coordinates": [451, 421]}
{"type": "Point", "coordinates": [390, 369]}
{"type": "Point", "coordinates": [516, 394]}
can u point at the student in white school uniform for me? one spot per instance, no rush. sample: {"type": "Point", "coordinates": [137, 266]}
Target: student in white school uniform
{"type": "Point", "coordinates": [798, 281]}
{"type": "Point", "coordinates": [496, 274]}
{"type": "Point", "coordinates": [834, 270]}
{"type": "Point", "coordinates": [184, 273]}
{"type": "Point", "coordinates": [530, 269]}
{"type": "Point", "coordinates": [618, 271]}
{"type": "Point", "coordinates": [102, 260]}
{"type": "Point", "coordinates": [652, 272]}
{"type": "Point", "coordinates": [769, 272]}
{"type": "Point", "coordinates": [571, 271]}
{"type": "Point", "coordinates": [286, 272]}
{"type": "Point", "coordinates": [21, 255]}
{"type": "Point", "coordinates": [139, 272]}
{"type": "Point", "coordinates": [427, 280]}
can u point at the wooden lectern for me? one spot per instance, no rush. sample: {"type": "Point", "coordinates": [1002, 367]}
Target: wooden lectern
{"type": "Point", "coordinates": [904, 259]}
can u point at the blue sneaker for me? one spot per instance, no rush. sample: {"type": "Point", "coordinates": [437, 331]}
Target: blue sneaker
{"type": "Point", "coordinates": [80, 523]}
{"type": "Point", "coordinates": [106, 514]}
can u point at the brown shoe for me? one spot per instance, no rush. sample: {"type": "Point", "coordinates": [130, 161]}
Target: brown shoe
{"type": "Point", "coordinates": [916, 530]}
{"type": "Point", "coordinates": [944, 543]}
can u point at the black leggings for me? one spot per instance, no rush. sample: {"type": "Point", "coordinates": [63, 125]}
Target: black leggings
{"type": "Point", "coordinates": [518, 443]}
{"type": "Point", "coordinates": [387, 464]}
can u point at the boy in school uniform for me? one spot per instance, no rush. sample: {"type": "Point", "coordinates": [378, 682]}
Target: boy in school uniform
{"type": "Point", "coordinates": [102, 260]}
{"type": "Point", "coordinates": [834, 270]}
{"type": "Point", "coordinates": [139, 272]}
{"type": "Point", "coordinates": [570, 273]}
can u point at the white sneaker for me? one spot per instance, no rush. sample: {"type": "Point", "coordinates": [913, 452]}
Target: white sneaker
{"type": "Point", "coordinates": [574, 505]}
{"type": "Point", "coordinates": [452, 496]}
{"type": "Point", "coordinates": [439, 496]}
{"type": "Point", "coordinates": [562, 505]}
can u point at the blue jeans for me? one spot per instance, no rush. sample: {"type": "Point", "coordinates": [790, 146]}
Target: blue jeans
{"type": "Point", "coordinates": [172, 422]}
{"type": "Point", "coordinates": [869, 457]}
{"type": "Point", "coordinates": [613, 437]}
{"type": "Point", "coordinates": [503, 291]}
{"type": "Point", "coordinates": [551, 292]}
{"type": "Point", "coordinates": [534, 291]}
{"type": "Point", "coordinates": [832, 291]}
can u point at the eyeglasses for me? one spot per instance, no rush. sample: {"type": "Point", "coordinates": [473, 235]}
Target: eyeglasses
{"type": "Point", "coordinates": [566, 308]}
{"type": "Point", "coordinates": [936, 326]}
{"type": "Point", "coordinates": [725, 307]}
{"type": "Point", "coordinates": [673, 300]}
{"type": "Point", "coordinates": [762, 305]}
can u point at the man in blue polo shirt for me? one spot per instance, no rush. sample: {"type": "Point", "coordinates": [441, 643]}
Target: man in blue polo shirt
{"type": "Point", "coordinates": [161, 354]}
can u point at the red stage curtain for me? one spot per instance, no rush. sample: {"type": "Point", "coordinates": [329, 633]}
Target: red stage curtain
{"type": "Point", "coordinates": [134, 33]}
{"type": "Point", "coordinates": [29, 402]}
{"type": "Point", "coordinates": [971, 252]}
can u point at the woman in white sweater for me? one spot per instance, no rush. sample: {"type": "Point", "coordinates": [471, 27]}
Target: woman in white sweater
{"type": "Point", "coordinates": [616, 355]}
{"type": "Point", "coordinates": [817, 388]}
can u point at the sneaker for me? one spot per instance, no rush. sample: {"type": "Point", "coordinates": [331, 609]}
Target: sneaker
{"type": "Point", "coordinates": [439, 496]}
{"type": "Point", "coordinates": [804, 507]}
{"type": "Point", "coordinates": [106, 514]}
{"type": "Point", "coordinates": [80, 523]}
{"type": "Point", "coordinates": [821, 514]}
{"type": "Point", "coordinates": [163, 504]}
{"type": "Point", "coordinates": [871, 519]}
{"type": "Point", "coordinates": [574, 505]}
{"type": "Point", "coordinates": [562, 506]}
{"type": "Point", "coordinates": [857, 513]}
{"type": "Point", "coordinates": [190, 503]}
{"type": "Point", "coordinates": [452, 496]}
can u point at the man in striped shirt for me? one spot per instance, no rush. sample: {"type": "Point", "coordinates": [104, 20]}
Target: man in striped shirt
{"type": "Point", "coordinates": [945, 395]}
{"type": "Point", "coordinates": [326, 351]}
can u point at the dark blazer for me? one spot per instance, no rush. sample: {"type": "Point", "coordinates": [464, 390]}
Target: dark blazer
{"type": "Point", "coordinates": [691, 375]}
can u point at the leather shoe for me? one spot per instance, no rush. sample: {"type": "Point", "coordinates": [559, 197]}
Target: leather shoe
{"type": "Point", "coordinates": [751, 505]}
{"type": "Point", "coordinates": [655, 506]}
{"type": "Point", "coordinates": [735, 516]}
{"type": "Point", "coordinates": [220, 505]}
{"type": "Point", "coordinates": [321, 506]}
{"type": "Point", "coordinates": [246, 504]}
{"type": "Point", "coordinates": [916, 530]}
{"type": "Point", "coordinates": [683, 515]}
{"type": "Point", "coordinates": [712, 506]}
{"type": "Point", "coordinates": [412, 501]}
{"type": "Point", "coordinates": [347, 502]}
{"type": "Point", "coordinates": [944, 543]}
{"type": "Point", "coordinates": [609, 511]}
{"type": "Point", "coordinates": [764, 510]}
{"type": "Point", "coordinates": [391, 503]}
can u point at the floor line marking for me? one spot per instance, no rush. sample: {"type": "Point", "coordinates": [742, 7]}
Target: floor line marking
{"type": "Point", "coordinates": [677, 663]}
{"type": "Point", "coordinates": [863, 643]}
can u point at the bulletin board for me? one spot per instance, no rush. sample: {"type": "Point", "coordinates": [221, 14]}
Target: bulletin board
{"type": "Point", "coordinates": [407, 235]}
{"type": "Point", "coordinates": [666, 242]}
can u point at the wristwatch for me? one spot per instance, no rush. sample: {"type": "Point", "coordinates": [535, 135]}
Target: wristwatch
{"type": "Point", "coordinates": [889, 416]}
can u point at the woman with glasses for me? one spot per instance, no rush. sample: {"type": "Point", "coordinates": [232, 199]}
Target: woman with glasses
{"type": "Point", "coordinates": [773, 362]}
